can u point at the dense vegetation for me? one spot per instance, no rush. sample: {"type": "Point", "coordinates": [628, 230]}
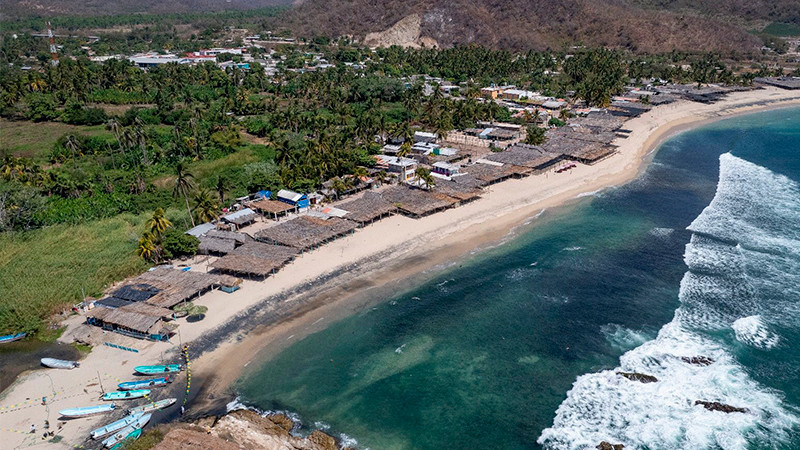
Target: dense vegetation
{"type": "Point", "coordinates": [139, 156]}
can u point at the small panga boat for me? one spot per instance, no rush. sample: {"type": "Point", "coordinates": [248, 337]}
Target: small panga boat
{"type": "Point", "coordinates": [142, 384]}
{"type": "Point", "coordinates": [12, 337]}
{"type": "Point", "coordinates": [122, 434]}
{"type": "Point", "coordinates": [131, 437]}
{"type": "Point", "coordinates": [126, 395]}
{"type": "Point", "coordinates": [154, 370]}
{"type": "Point", "coordinates": [87, 410]}
{"type": "Point", "coordinates": [153, 406]}
{"type": "Point", "coordinates": [59, 363]}
{"type": "Point", "coordinates": [115, 426]}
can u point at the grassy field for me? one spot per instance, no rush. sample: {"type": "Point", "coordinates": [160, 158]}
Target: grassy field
{"type": "Point", "coordinates": [782, 29]}
{"type": "Point", "coordinates": [35, 140]}
{"type": "Point", "coordinates": [45, 270]}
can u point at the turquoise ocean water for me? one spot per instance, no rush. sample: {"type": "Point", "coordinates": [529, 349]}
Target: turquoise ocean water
{"type": "Point", "coordinates": [518, 346]}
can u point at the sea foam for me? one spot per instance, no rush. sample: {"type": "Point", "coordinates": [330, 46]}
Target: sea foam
{"type": "Point", "coordinates": [742, 259]}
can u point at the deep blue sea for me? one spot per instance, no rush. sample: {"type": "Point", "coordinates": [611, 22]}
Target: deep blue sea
{"type": "Point", "coordinates": [519, 346]}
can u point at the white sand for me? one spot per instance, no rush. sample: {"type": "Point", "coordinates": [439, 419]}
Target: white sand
{"type": "Point", "coordinates": [447, 234]}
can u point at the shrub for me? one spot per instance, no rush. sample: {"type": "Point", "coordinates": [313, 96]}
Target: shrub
{"type": "Point", "coordinates": [176, 244]}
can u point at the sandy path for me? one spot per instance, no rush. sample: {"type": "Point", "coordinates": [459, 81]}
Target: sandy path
{"type": "Point", "coordinates": [381, 253]}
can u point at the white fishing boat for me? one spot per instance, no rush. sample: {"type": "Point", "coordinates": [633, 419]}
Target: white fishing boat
{"type": "Point", "coordinates": [115, 438]}
{"type": "Point", "coordinates": [115, 426]}
{"type": "Point", "coordinates": [153, 406]}
{"type": "Point", "coordinates": [87, 410]}
{"type": "Point", "coordinates": [59, 363]}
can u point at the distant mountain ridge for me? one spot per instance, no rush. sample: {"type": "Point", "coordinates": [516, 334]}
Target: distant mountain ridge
{"type": "Point", "coordinates": [639, 25]}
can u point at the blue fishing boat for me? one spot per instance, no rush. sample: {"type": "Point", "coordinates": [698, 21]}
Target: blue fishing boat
{"type": "Point", "coordinates": [154, 382]}
{"type": "Point", "coordinates": [124, 433]}
{"type": "Point", "coordinates": [126, 395]}
{"type": "Point", "coordinates": [155, 370]}
{"type": "Point", "coordinates": [152, 406]}
{"type": "Point", "coordinates": [12, 337]}
{"type": "Point", "coordinates": [87, 410]}
{"type": "Point", "coordinates": [115, 426]}
{"type": "Point", "coordinates": [131, 437]}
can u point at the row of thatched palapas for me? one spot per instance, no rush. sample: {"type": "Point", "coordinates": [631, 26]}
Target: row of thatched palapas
{"type": "Point", "coordinates": [587, 141]}
{"type": "Point", "coordinates": [139, 307]}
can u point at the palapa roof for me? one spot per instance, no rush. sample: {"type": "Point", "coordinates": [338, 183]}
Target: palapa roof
{"type": "Point", "coordinates": [526, 156]}
{"type": "Point", "coordinates": [175, 286]}
{"type": "Point", "coordinates": [215, 245]}
{"type": "Point", "coordinates": [417, 202]}
{"type": "Point", "coordinates": [488, 173]}
{"type": "Point", "coordinates": [368, 207]}
{"type": "Point", "coordinates": [466, 189]}
{"type": "Point", "coordinates": [240, 238]}
{"type": "Point", "coordinates": [271, 206]}
{"type": "Point", "coordinates": [578, 149]}
{"type": "Point", "coordinates": [305, 232]}
{"type": "Point", "coordinates": [255, 258]}
{"type": "Point", "coordinates": [132, 320]}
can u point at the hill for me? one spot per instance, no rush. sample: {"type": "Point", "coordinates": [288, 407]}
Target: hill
{"type": "Point", "coordinates": [23, 8]}
{"type": "Point", "coordinates": [639, 25]}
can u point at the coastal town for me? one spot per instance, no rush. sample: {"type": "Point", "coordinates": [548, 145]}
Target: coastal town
{"type": "Point", "coordinates": [433, 185]}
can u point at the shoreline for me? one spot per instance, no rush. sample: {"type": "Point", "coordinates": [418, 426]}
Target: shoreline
{"type": "Point", "coordinates": [347, 275]}
{"type": "Point", "coordinates": [266, 340]}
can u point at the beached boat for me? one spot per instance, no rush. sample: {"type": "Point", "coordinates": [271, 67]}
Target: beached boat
{"type": "Point", "coordinates": [155, 370]}
{"type": "Point", "coordinates": [131, 437]}
{"type": "Point", "coordinates": [12, 337]}
{"type": "Point", "coordinates": [123, 434]}
{"type": "Point", "coordinates": [115, 426]}
{"type": "Point", "coordinates": [155, 382]}
{"type": "Point", "coordinates": [126, 395]}
{"type": "Point", "coordinates": [87, 410]}
{"type": "Point", "coordinates": [153, 406]}
{"type": "Point", "coordinates": [59, 363]}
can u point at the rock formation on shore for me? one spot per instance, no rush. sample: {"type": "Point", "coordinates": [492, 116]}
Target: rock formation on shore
{"type": "Point", "coordinates": [698, 360]}
{"type": "Point", "coordinates": [609, 446]}
{"type": "Point", "coordinates": [717, 406]}
{"type": "Point", "coordinates": [243, 430]}
{"type": "Point", "coordinates": [640, 377]}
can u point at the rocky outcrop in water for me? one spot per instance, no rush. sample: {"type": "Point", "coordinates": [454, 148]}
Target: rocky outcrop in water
{"type": "Point", "coordinates": [697, 360]}
{"type": "Point", "coordinates": [609, 446]}
{"type": "Point", "coordinates": [640, 377]}
{"type": "Point", "coordinates": [243, 430]}
{"type": "Point", "coordinates": [717, 406]}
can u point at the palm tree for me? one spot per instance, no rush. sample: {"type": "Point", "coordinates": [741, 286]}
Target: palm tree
{"type": "Point", "coordinates": [73, 146]}
{"type": "Point", "coordinates": [425, 176]}
{"type": "Point", "coordinates": [221, 186]}
{"type": "Point", "coordinates": [147, 248]}
{"type": "Point", "coordinates": [157, 224]}
{"type": "Point", "coordinates": [206, 208]}
{"type": "Point", "coordinates": [381, 177]}
{"type": "Point", "coordinates": [183, 184]}
{"type": "Point", "coordinates": [359, 173]}
{"type": "Point", "coordinates": [338, 186]}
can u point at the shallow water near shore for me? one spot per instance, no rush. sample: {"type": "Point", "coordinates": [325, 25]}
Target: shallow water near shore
{"type": "Point", "coordinates": [517, 347]}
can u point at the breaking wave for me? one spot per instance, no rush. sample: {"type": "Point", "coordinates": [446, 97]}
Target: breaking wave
{"type": "Point", "coordinates": [743, 275]}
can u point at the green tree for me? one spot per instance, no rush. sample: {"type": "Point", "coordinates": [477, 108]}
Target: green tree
{"type": "Point", "coordinates": [425, 176]}
{"type": "Point", "coordinates": [596, 75]}
{"type": "Point", "coordinates": [535, 135]}
{"type": "Point", "coordinates": [206, 207]}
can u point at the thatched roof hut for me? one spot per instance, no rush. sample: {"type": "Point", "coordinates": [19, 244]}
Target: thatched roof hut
{"type": "Point", "coordinates": [369, 207]}
{"type": "Point", "coordinates": [526, 155]}
{"type": "Point", "coordinates": [464, 188]}
{"type": "Point", "coordinates": [215, 246]}
{"type": "Point", "coordinates": [255, 259]}
{"type": "Point", "coordinates": [417, 202]}
{"type": "Point", "coordinates": [176, 286]}
{"type": "Point", "coordinates": [239, 238]}
{"type": "Point", "coordinates": [272, 208]}
{"type": "Point", "coordinates": [495, 173]}
{"type": "Point", "coordinates": [306, 232]}
{"type": "Point", "coordinates": [583, 151]}
{"type": "Point", "coordinates": [127, 320]}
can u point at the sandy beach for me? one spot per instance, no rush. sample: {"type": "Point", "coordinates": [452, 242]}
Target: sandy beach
{"type": "Point", "coordinates": [331, 282]}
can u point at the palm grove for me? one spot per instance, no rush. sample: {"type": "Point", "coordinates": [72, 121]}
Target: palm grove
{"type": "Point", "coordinates": [190, 138]}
